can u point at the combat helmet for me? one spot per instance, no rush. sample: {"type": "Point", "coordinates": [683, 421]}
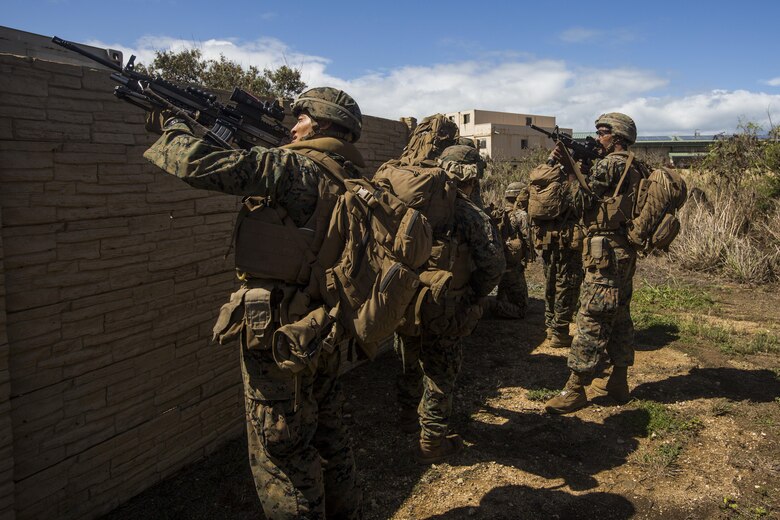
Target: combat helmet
{"type": "Point", "coordinates": [620, 124]}
{"type": "Point", "coordinates": [330, 104]}
{"type": "Point", "coordinates": [465, 141]}
{"type": "Point", "coordinates": [513, 190]}
{"type": "Point", "coordinates": [462, 163]}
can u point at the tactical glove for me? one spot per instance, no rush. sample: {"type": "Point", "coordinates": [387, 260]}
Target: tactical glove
{"type": "Point", "coordinates": [157, 118]}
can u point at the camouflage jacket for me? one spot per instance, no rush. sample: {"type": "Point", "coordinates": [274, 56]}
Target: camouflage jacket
{"type": "Point", "coordinates": [288, 179]}
{"type": "Point", "coordinates": [485, 246]}
{"type": "Point", "coordinates": [602, 180]}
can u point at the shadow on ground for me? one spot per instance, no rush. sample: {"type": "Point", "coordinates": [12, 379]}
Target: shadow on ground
{"type": "Point", "coordinates": [513, 502]}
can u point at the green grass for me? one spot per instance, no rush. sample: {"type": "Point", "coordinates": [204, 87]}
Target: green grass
{"type": "Point", "coordinates": [662, 421]}
{"type": "Point", "coordinates": [721, 407]}
{"type": "Point", "coordinates": [648, 322]}
{"type": "Point", "coordinates": [662, 456]}
{"type": "Point", "coordinates": [669, 431]}
{"type": "Point", "coordinates": [675, 297]}
{"type": "Point", "coordinates": [541, 394]}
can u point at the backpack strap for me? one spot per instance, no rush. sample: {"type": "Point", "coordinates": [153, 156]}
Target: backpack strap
{"type": "Point", "coordinates": [623, 176]}
{"type": "Point", "coordinates": [329, 164]}
{"type": "Point", "coordinates": [570, 165]}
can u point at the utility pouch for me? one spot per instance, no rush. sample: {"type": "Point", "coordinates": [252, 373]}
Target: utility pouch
{"type": "Point", "coordinates": [596, 247]}
{"type": "Point", "coordinates": [437, 281]}
{"type": "Point", "coordinates": [666, 232]}
{"type": "Point", "coordinates": [597, 253]}
{"type": "Point", "coordinates": [297, 346]}
{"type": "Point", "coordinates": [258, 316]}
{"type": "Point", "coordinates": [231, 318]}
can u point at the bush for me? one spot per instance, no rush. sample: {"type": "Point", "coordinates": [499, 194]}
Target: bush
{"type": "Point", "coordinates": [736, 233]}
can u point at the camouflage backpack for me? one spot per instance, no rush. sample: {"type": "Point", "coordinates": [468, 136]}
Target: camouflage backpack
{"type": "Point", "coordinates": [647, 207]}
{"type": "Point", "coordinates": [429, 139]}
{"type": "Point", "coordinates": [358, 253]}
{"type": "Point", "coordinates": [367, 265]}
{"type": "Point", "coordinates": [441, 305]}
{"type": "Point", "coordinates": [546, 192]}
{"type": "Point", "coordinates": [660, 195]}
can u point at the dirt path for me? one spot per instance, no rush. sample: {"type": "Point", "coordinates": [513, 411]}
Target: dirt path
{"type": "Point", "coordinates": [699, 441]}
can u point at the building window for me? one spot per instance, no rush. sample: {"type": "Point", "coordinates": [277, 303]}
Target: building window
{"type": "Point", "coordinates": [452, 118]}
{"type": "Point", "coordinates": [523, 143]}
{"type": "Point", "coordinates": [529, 121]}
{"type": "Point", "coordinates": [466, 118]}
{"type": "Point", "coordinates": [482, 143]}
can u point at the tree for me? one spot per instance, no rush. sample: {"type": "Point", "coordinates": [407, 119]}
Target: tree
{"type": "Point", "coordinates": [189, 66]}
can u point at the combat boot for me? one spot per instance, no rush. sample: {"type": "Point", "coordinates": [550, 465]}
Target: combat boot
{"type": "Point", "coordinates": [614, 386]}
{"type": "Point", "coordinates": [431, 451]}
{"type": "Point", "coordinates": [559, 340]}
{"type": "Point", "coordinates": [571, 398]}
{"type": "Point", "coordinates": [409, 420]}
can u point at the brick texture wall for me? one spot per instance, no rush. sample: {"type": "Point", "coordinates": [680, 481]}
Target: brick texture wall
{"type": "Point", "coordinates": [6, 430]}
{"type": "Point", "coordinates": [112, 274]}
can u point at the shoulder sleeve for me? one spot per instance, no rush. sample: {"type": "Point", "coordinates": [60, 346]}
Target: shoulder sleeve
{"type": "Point", "coordinates": [259, 171]}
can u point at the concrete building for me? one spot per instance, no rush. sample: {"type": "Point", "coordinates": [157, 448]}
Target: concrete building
{"type": "Point", "coordinates": [504, 135]}
{"type": "Point", "coordinates": [676, 150]}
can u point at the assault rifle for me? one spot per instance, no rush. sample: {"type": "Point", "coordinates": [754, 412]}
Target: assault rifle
{"type": "Point", "coordinates": [572, 151]}
{"type": "Point", "coordinates": [246, 123]}
{"type": "Point", "coordinates": [586, 153]}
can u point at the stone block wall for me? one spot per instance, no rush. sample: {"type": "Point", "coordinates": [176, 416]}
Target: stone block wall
{"type": "Point", "coordinates": [111, 276]}
{"type": "Point", "coordinates": [6, 428]}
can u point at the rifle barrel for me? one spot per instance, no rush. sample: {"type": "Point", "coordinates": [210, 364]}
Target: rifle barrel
{"type": "Point", "coordinates": [71, 46]}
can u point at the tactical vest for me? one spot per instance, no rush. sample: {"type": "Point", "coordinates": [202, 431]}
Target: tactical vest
{"type": "Point", "coordinates": [269, 245]}
{"type": "Point", "coordinates": [612, 213]}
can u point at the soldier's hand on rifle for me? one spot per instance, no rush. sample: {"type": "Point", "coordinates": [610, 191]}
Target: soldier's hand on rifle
{"type": "Point", "coordinates": [156, 119]}
{"type": "Point", "coordinates": [557, 153]}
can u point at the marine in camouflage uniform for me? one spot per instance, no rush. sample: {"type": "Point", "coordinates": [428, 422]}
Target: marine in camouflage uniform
{"type": "Point", "coordinates": [432, 360]}
{"type": "Point", "coordinates": [604, 323]}
{"type": "Point", "coordinates": [475, 195]}
{"type": "Point", "coordinates": [511, 300]}
{"type": "Point", "coordinates": [299, 448]}
{"type": "Point", "coordinates": [561, 250]}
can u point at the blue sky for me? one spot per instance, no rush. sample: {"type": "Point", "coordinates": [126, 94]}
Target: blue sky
{"type": "Point", "coordinates": [676, 67]}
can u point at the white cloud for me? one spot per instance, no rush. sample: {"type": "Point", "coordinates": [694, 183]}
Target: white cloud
{"type": "Point", "coordinates": [509, 83]}
{"type": "Point", "coordinates": [264, 52]}
{"type": "Point", "coordinates": [774, 82]}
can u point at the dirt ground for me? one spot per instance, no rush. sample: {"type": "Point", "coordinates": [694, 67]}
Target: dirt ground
{"type": "Point", "coordinates": [720, 457]}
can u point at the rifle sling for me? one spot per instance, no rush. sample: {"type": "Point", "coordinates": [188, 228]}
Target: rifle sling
{"type": "Point", "coordinates": [571, 166]}
{"type": "Point", "coordinates": [623, 176]}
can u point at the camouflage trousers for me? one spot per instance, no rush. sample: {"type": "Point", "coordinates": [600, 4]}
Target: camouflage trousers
{"type": "Point", "coordinates": [430, 368]}
{"type": "Point", "coordinates": [299, 448]}
{"type": "Point", "coordinates": [604, 323]}
{"type": "Point", "coordinates": [563, 277]}
{"type": "Point", "coordinates": [511, 301]}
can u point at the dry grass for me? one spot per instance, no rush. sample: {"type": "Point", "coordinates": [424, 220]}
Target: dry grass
{"type": "Point", "coordinates": [500, 174]}
{"type": "Point", "coordinates": [729, 236]}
